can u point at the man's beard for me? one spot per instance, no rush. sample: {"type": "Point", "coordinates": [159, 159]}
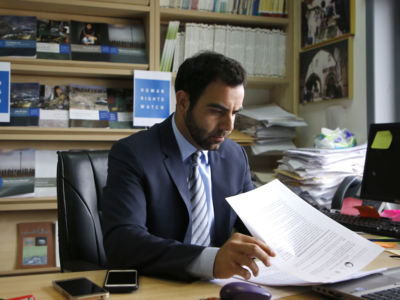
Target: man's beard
{"type": "Point", "coordinates": [201, 136]}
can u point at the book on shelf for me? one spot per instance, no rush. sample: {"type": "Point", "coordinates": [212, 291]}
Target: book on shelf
{"type": "Point", "coordinates": [89, 41]}
{"type": "Point", "coordinates": [52, 39]}
{"type": "Point", "coordinates": [5, 81]}
{"type": "Point", "coordinates": [17, 36]}
{"type": "Point", "coordinates": [120, 105]}
{"type": "Point", "coordinates": [272, 8]}
{"type": "Point", "coordinates": [17, 173]}
{"type": "Point", "coordinates": [179, 52]}
{"type": "Point", "coordinates": [169, 46]}
{"type": "Point", "coordinates": [54, 106]}
{"type": "Point", "coordinates": [36, 245]}
{"type": "Point", "coordinates": [24, 103]}
{"type": "Point", "coordinates": [88, 106]}
{"type": "Point", "coordinates": [45, 173]}
{"type": "Point", "coordinates": [127, 43]}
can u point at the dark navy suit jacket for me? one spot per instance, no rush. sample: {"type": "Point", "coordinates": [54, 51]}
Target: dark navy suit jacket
{"type": "Point", "coordinates": [146, 203]}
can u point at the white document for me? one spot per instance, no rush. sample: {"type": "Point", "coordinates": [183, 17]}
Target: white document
{"type": "Point", "coordinates": [309, 245]}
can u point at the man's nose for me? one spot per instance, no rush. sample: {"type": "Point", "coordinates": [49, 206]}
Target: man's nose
{"type": "Point", "coordinates": [228, 122]}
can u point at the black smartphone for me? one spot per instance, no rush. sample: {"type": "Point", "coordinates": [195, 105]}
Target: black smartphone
{"type": "Point", "coordinates": [80, 288]}
{"type": "Point", "coordinates": [121, 281]}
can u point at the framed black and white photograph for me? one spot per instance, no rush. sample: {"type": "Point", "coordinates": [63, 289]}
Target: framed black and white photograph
{"type": "Point", "coordinates": [325, 20]}
{"type": "Point", "coordinates": [326, 72]}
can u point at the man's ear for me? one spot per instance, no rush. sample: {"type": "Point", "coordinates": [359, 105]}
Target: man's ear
{"type": "Point", "coordinates": [182, 101]}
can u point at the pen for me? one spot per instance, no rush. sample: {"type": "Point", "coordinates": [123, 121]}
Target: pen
{"type": "Point", "coordinates": [384, 240]}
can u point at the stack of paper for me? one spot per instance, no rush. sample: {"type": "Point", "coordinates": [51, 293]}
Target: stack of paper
{"type": "Point", "coordinates": [310, 247]}
{"type": "Point", "coordinates": [272, 127]}
{"type": "Point", "coordinates": [314, 174]}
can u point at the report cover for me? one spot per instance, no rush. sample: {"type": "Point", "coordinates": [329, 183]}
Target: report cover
{"type": "Point", "coordinates": [36, 245]}
{"type": "Point", "coordinates": [52, 40]}
{"type": "Point", "coordinates": [152, 97]}
{"type": "Point", "coordinates": [54, 106]}
{"type": "Point", "coordinates": [4, 92]}
{"type": "Point", "coordinates": [45, 173]}
{"type": "Point", "coordinates": [127, 43]}
{"type": "Point", "coordinates": [120, 105]}
{"type": "Point", "coordinates": [17, 36]}
{"type": "Point", "coordinates": [17, 173]}
{"type": "Point", "coordinates": [88, 106]}
{"type": "Point", "coordinates": [24, 102]}
{"type": "Point", "coordinates": [89, 41]}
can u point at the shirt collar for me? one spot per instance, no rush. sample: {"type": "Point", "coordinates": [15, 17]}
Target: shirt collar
{"type": "Point", "coordinates": [186, 148]}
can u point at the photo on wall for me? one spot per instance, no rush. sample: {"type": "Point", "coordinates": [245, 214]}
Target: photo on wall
{"type": "Point", "coordinates": [326, 72]}
{"type": "Point", "coordinates": [325, 20]}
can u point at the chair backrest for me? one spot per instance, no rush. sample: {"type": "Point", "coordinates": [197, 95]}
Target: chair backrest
{"type": "Point", "coordinates": [81, 176]}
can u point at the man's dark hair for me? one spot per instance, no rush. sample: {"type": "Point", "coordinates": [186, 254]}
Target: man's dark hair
{"type": "Point", "coordinates": [198, 71]}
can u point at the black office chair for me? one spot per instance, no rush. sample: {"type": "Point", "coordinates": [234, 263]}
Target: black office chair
{"type": "Point", "coordinates": [81, 176]}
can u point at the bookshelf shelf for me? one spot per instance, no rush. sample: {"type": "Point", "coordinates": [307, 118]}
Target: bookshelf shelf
{"type": "Point", "coordinates": [72, 68]}
{"type": "Point", "coordinates": [30, 204]}
{"type": "Point", "coordinates": [89, 7]}
{"type": "Point", "coordinates": [30, 271]}
{"type": "Point", "coordinates": [63, 134]}
{"type": "Point", "coordinates": [187, 15]}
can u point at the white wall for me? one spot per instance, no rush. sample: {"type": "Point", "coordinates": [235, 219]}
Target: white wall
{"type": "Point", "coordinates": [353, 113]}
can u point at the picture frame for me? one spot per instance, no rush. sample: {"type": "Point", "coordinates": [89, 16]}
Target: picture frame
{"type": "Point", "coordinates": [36, 245]}
{"type": "Point", "coordinates": [326, 72]}
{"type": "Point", "coordinates": [323, 21]}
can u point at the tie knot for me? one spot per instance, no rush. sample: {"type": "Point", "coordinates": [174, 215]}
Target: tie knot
{"type": "Point", "coordinates": [196, 157]}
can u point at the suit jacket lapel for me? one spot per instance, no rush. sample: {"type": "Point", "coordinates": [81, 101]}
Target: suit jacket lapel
{"type": "Point", "coordinates": [217, 159]}
{"type": "Point", "coordinates": [173, 161]}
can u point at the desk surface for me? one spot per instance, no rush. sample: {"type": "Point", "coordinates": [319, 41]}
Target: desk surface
{"type": "Point", "coordinates": [151, 288]}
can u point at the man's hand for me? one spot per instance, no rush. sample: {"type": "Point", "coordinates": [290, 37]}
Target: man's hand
{"type": "Point", "coordinates": [239, 251]}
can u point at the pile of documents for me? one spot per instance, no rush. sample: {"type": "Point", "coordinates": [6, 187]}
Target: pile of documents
{"type": "Point", "coordinates": [272, 127]}
{"type": "Point", "coordinates": [314, 174]}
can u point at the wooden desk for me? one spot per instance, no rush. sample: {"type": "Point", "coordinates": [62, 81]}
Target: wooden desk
{"type": "Point", "coordinates": [150, 288]}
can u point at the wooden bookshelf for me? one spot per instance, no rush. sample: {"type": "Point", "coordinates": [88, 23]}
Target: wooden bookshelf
{"type": "Point", "coordinates": [15, 210]}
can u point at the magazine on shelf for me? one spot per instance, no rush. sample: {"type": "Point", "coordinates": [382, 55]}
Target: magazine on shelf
{"type": "Point", "coordinates": [152, 97]}
{"type": "Point", "coordinates": [54, 106]}
{"type": "Point", "coordinates": [5, 92]}
{"type": "Point", "coordinates": [36, 245]}
{"type": "Point", "coordinates": [17, 173]}
{"type": "Point", "coordinates": [88, 106]}
{"type": "Point", "coordinates": [52, 39]}
{"type": "Point", "coordinates": [17, 36]}
{"type": "Point", "coordinates": [24, 103]}
{"type": "Point", "coordinates": [127, 43]}
{"type": "Point", "coordinates": [120, 105]}
{"type": "Point", "coordinates": [45, 173]}
{"type": "Point", "coordinates": [89, 41]}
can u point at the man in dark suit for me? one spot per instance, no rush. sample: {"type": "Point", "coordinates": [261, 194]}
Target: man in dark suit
{"type": "Point", "coordinates": [148, 218]}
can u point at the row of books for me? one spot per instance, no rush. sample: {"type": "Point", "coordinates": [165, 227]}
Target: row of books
{"type": "Point", "coordinates": [71, 105]}
{"type": "Point", "coordinates": [262, 52]}
{"type": "Point", "coordinates": [28, 173]}
{"type": "Point", "coordinates": [277, 8]}
{"type": "Point", "coordinates": [28, 36]}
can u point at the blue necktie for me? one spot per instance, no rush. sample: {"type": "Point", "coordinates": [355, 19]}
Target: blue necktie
{"type": "Point", "coordinates": [200, 222]}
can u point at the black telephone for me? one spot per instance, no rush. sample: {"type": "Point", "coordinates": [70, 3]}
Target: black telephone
{"type": "Point", "coordinates": [349, 187]}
